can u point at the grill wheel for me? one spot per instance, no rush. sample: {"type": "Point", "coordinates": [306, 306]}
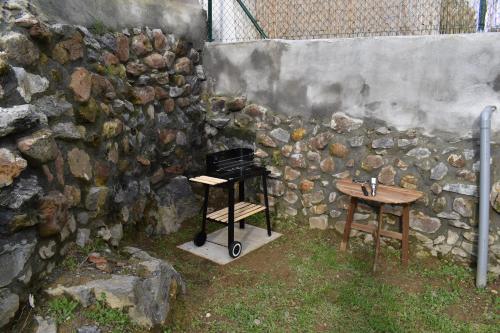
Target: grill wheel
{"type": "Point", "coordinates": [235, 249]}
{"type": "Point", "coordinates": [200, 238]}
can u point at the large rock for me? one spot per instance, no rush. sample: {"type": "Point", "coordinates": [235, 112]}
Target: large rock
{"type": "Point", "coordinates": [318, 222]}
{"type": "Point", "coordinates": [52, 106]}
{"type": "Point", "coordinates": [39, 146]}
{"type": "Point", "coordinates": [465, 189]}
{"type": "Point", "coordinates": [29, 84]}
{"type": "Point", "coordinates": [147, 297]}
{"type": "Point", "coordinates": [14, 255]}
{"type": "Point", "coordinates": [81, 84]}
{"type": "Point", "coordinates": [386, 175]}
{"type": "Point", "coordinates": [372, 162]}
{"type": "Point", "coordinates": [79, 164]}
{"type": "Point", "coordinates": [463, 207]}
{"type": "Point", "coordinates": [68, 131]}
{"type": "Point", "coordinates": [280, 135]}
{"type": "Point", "coordinates": [24, 190]}
{"type": "Point", "coordinates": [96, 198]}
{"type": "Point", "coordinates": [9, 304]}
{"type": "Point", "coordinates": [18, 118]}
{"type": "Point", "coordinates": [19, 48]}
{"type": "Point", "coordinates": [175, 203]}
{"type": "Point", "coordinates": [52, 213]}
{"type": "Point", "coordinates": [419, 153]}
{"type": "Point", "coordinates": [342, 123]}
{"type": "Point", "coordinates": [421, 222]}
{"type": "Point", "coordinates": [11, 166]}
{"type": "Point", "coordinates": [439, 171]}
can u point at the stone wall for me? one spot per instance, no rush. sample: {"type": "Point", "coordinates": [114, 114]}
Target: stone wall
{"type": "Point", "coordinates": [95, 133]}
{"type": "Point", "coordinates": [306, 156]}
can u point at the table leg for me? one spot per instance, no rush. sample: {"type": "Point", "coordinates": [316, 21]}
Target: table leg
{"type": "Point", "coordinates": [405, 248]}
{"type": "Point", "coordinates": [377, 236]}
{"type": "Point", "coordinates": [348, 223]}
{"type": "Point", "coordinates": [241, 197]}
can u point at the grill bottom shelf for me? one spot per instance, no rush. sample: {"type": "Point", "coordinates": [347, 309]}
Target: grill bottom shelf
{"type": "Point", "coordinates": [241, 211]}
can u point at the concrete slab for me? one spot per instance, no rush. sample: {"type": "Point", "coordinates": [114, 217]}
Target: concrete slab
{"type": "Point", "coordinates": [215, 249]}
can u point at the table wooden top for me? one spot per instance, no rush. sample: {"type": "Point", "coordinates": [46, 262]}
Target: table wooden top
{"type": "Point", "coordinates": [385, 194]}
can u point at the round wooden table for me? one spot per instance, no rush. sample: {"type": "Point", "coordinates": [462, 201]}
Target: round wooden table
{"type": "Point", "coordinates": [385, 195]}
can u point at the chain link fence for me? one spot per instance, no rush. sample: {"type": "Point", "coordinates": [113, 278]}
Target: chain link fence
{"type": "Point", "coordinates": [305, 19]}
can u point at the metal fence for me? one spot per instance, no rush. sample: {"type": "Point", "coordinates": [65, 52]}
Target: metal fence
{"type": "Point", "coordinates": [240, 20]}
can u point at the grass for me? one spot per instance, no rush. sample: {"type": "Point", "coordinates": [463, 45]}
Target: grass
{"type": "Point", "coordinates": [62, 309]}
{"type": "Point", "coordinates": [301, 283]}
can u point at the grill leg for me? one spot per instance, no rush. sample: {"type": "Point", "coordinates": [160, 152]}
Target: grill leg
{"type": "Point", "coordinates": [205, 209]}
{"type": "Point", "coordinates": [266, 202]}
{"type": "Point", "coordinates": [230, 215]}
{"type": "Point", "coordinates": [241, 197]}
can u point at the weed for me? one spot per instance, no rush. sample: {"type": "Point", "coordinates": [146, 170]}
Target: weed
{"type": "Point", "coordinates": [105, 316]}
{"type": "Point", "coordinates": [70, 263]}
{"type": "Point", "coordinates": [95, 246]}
{"type": "Point", "coordinates": [99, 28]}
{"type": "Point", "coordinates": [277, 159]}
{"type": "Point", "coordinates": [62, 309]}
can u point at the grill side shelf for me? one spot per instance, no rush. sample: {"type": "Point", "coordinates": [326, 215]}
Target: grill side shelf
{"type": "Point", "coordinates": [208, 180]}
{"type": "Point", "coordinates": [241, 211]}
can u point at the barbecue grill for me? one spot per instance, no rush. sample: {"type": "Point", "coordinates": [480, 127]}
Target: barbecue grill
{"type": "Point", "coordinates": [225, 169]}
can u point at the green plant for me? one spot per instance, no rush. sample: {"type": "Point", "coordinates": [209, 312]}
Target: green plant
{"type": "Point", "coordinates": [62, 309]}
{"type": "Point", "coordinates": [70, 263]}
{"type": "Point", "coordinates": [105, 316]}
{"type": "Point", "coordinates": [96, 245]}
{"type": "Point", "coordinates": [277, 159]}
{"type": "Point", "coordinates": [98, 28]}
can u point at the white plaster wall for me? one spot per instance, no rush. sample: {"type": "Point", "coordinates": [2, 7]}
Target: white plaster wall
{"type": "Point", "coordinates": [434, 82]}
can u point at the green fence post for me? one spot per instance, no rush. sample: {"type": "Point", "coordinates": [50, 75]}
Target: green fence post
{"type": "Point", "coordinates": [209, 22]}
{"type": "Point", "coordinates": [252, 19]}
{"type": "Point", "coordinates": [481, 15]}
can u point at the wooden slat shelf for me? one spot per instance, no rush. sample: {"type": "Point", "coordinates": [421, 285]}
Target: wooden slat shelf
{"type": "Point", "coordinates": [208, 180]}
{"type": "Point", "coordinates": [241, 211]}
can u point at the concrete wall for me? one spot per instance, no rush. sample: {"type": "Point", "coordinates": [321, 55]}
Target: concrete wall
{"type": "Point", "coordinates": [433, 82]}
{"type": "Point", "coordinates": [184, 18]}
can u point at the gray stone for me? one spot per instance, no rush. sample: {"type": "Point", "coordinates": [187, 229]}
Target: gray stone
{"type": "Point", "coordinates": [116, 232]}
{"type": "Point", "coordinates": [439, 171]}
{"type": "Point", "coordinates": [459, 224]}
{"type": "Point", "coordinates": [449, 215]}
{"type": "Point", "coordinates": [14, 255]}
{"type": "Point", "coordinates": [82, 237]}
{"type": "Point", "coordinates": [29, 84]}
{"type": "Point", "coordinates": [45, 325]}
{"type": "Point", "coordinates": [407, 142]}
{"type": "Point", "coordinates": [452, 237]}
{"type": "Point", "coordinates": [176, 92]}
{"type": "Point", "coordinates": [52, 106]}
{"type": "Point", "coordinates": [318, 222]}
{"type": "Point", "coordinates": [96, 198]}
{"type": "Point", "coordinates": [219, 121]}
{"type": "Point", "coordinates": [19, 48]}
{"type": "Point", "coordinates": [463, 207]}
{"type": "Point", "coordinates": [464, 189]}
{"type": "Point", "coordinates": [383, 130]}
{"type": "Point", "coordinates": [9, 304]}
{"type": "Point", "coordinates": [88, 329]}
{"type": "Point", "coordinates": [421, 222]}
{"type": "Point", "coordinates": [342, 123]}
{"type": "Point", "coordinates": [40, 146]}
{"type": "Point", "coordinates": [17, 119]}
{"type": "Point", "coordinates": [383, 143]}
{"type": "Point", "coordinates": [68, 131]}
{"type": "Point", "coordinates": [495, 196]}
{"type": "Point", "coordinates": [419, 153]}
{"type": "Point", "coordinates": [275, 187]}
{"type": "Point", "coordinates": [23, 191]}
{"type": "Point", "coordinates": [469, 154]}
{"type": "Point", "coordinates": [356, 141]}
{"type": "Point", "coordinates": [47, 250]}
{"type": "Point", "coordinates": [280, 135]}
{"type": "Point", "coordinates": [291, 197]}
{"type": "Point", "coordinates": [335, 213]}
{"type": "Point", "coordinates": [470, 248]}
{"type": "Point", "coordinates": [200, 72]}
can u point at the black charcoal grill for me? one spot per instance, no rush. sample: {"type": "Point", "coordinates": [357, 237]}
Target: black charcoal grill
{"type": "Point", "coordinates": [224, 169]}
